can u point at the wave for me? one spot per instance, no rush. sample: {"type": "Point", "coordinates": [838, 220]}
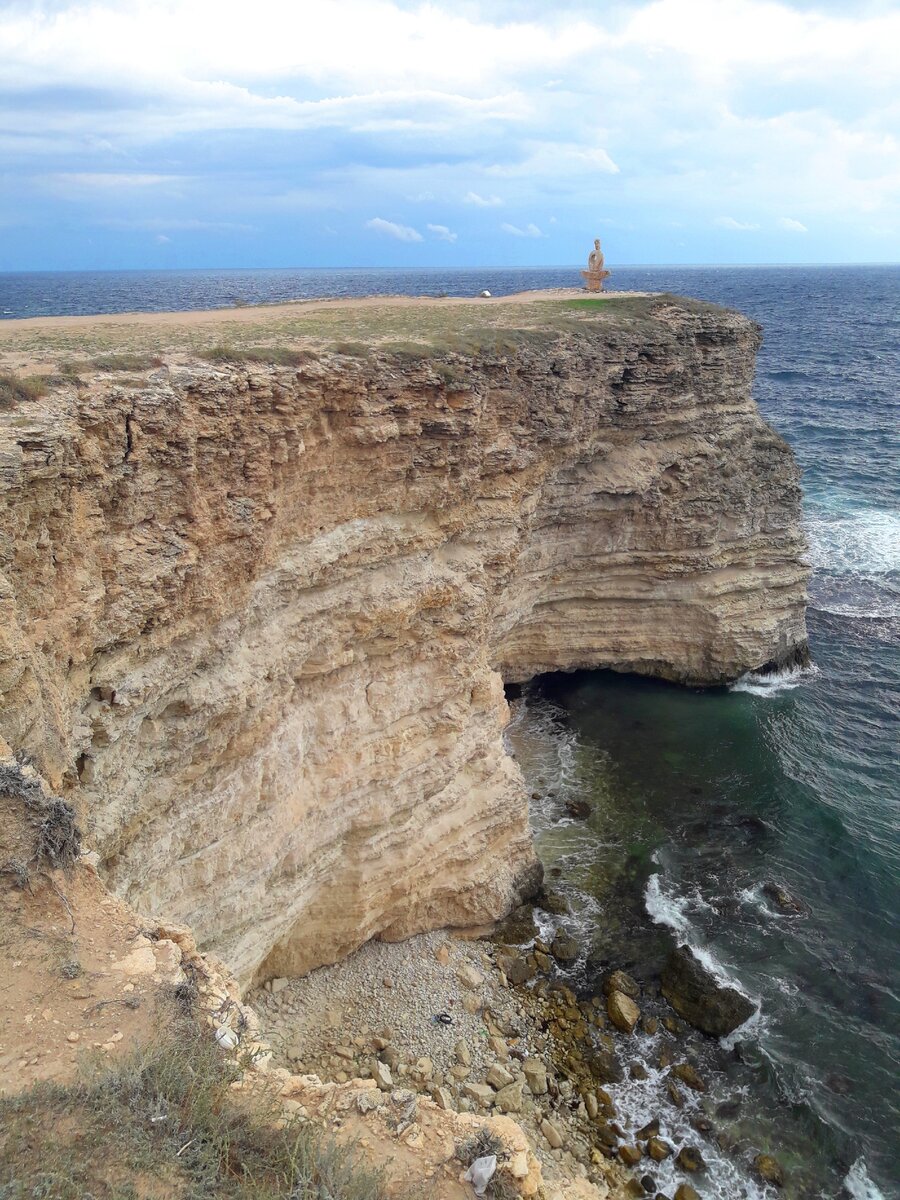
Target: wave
{"type": "Point", "coordinates": [858, 1184]}
{"type": "Point", "coordinates": [865, 541]}
{"type": "Point", "coordinates": [772, 683]}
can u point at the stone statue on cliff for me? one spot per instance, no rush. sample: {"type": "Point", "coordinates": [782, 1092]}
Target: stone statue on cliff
{"type": "Point", "coordinates": [595, 274]}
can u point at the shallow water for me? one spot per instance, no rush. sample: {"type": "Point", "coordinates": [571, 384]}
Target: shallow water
{"type": "Point", "coordinates": [701, 798]}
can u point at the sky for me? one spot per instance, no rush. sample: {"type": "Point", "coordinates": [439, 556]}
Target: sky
{"type": "Point", "coordinates": [385, 133]}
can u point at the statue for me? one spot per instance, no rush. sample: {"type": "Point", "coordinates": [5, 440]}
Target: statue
{"type": "Point", "coordinates": [595, 274]}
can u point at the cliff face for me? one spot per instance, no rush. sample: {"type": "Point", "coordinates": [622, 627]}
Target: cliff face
{"type": "Point", "coordinates": [255, 620]}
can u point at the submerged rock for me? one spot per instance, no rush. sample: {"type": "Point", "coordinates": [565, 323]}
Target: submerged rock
{"type": "Point", "coordinates": [769, 1169]}
{"type": "Point", "coordinates": [696, 995]}
{"type": "Point", "coordinates": [782, 899]}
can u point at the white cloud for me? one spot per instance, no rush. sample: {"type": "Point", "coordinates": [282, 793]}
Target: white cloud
{"type": "Point", "coordinates": [530, 231]}
{"type": "Point", "coordinates": [482, 201]}
{"type": "Point", "coordinates": [403, 233]}
{"type": "Point", "coordinates": [791, 225]}
{"type": "Point", "coordinates": [442, 233]}
{"type": "Point", "coordinates": [731, 223]}
{"type": "Point", "coordinates": [162, 240]}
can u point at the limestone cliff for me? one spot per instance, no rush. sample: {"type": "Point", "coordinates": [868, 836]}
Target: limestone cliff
{"type": "Point", "coordinates": [255, 619]}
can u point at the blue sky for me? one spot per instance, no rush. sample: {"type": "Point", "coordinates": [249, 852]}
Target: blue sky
{"type": "Point", "coordinates": [203, 133]}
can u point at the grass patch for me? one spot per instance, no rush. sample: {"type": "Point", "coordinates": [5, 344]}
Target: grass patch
{"type": "Point", "coordinates": [278, 356]}
{"type": "Point", "coordinates": [126, 362]}
{"type": "Point", "coordinates": [20, 389]}
{"type": "Point", "coordinates": [164, 1123]}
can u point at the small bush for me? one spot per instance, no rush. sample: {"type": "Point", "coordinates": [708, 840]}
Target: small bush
{"type": "Point", "coordinates": [19, 389]}
{"type": "Point", "coordinates": [40, 830]}
{"type": "Point", "coordinates": [166, 1118]}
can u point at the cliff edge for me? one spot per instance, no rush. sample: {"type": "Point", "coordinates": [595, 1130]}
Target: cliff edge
{"type": "Point", "coordinates": [260, 589]}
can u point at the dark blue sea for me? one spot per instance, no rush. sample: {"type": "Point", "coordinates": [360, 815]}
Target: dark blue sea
{"type": "Point", "coordinates": [700, 799]}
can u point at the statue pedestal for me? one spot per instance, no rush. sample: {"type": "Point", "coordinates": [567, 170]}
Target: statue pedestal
{"type": "Point", "coordinates": [593, 280]}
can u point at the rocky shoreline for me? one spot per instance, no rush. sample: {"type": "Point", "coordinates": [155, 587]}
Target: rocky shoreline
{"type": "Point", "coordinates": [483, 1023]}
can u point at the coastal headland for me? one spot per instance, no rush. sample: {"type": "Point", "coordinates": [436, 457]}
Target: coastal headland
{"type": "Point", "coordinates": [265, 572]}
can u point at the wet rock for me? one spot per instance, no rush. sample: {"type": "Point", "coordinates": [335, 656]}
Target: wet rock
{"type": "Point", "coordinates": [518, 927]}
{"type": "Point", "coordinates": [516, 969]}
{"type": "Point", "coordinates": [637, 1070]}
{"type": "Point", "coordinates": [702, 1124]}
{"type": "Point", "coordinates": [651, 1129]}
{"type": "Point", "coordinates": [769, 1169]}
{"type": "Point", "coordinates": [606, 1102]}
{"type": "Point", "coordinates": [658, 1149]}
{"type": "Point", "coordinates": [782, 899]}
{"type": "Point", "coordinates": [630, 1155]}
{"type": "Point", "coordinates": [672, 1025]}
{"type": "Point", "coordinates": [564, 948]}
{"type": "Point", "coordinates": [604, 1066]}
{"type": "Point", "coordinates": [553, 902]}
{"type": "Point", "coordinates": [684, 1191]}
{"type": "Point", "coordinates": [649, 1025]}
{"type": "Point", "coordinates": [619, 981]}
{"type": "Point", "coordinates": [648, 1183]}
{"type": "Point", "coordinates": [697, 995]}
{"type": "Point", "coordinates": [623, 1012]}
{"type": "Point", "coordinates": [690, 1159]}
{"type": "Point", "coordinates": [579, 809]}
{"type": "Point", "coordinates": [674, 1093]}
{"type": "Point", "coordinates": [606, 1134]}
{"type": "Point", "coordinates": [688, 1075]}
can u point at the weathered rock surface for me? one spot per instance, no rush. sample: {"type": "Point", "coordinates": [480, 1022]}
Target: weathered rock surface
{"type": "Point", "coordinates": [697, 995]}
{"type": "Point", "coordinates": [255, 620]}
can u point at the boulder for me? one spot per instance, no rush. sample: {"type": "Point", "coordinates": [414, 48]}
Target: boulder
{"type": "Point", "coordinates": [619, 981]}
{"type": "Point", "coordinates": [511, 1098]}
{"type": "Point", "coordinates": [782, 899]}
{"type": "Point", "coordinates": [623, 1012]}
{"type": "Point", "coordinates": [552, 1133]}
{"type": "Point", "coordinates": [630, 1155]}
{"type": "Point", "coordinates": [480, 1093]}
{"type": "Point", "coordinates": [564, 948]}
{"type": "Point", "coordinates": [381, 1073]}
{"type": "Point", "coordinates": [689, 1158]}
{"type": "Point", "coordinates": [684, 1191]}
{"type": "Point", "coordinates": [686, 1073]}
{"type": "Point", "coordinates": [658, 1149]}
{"type": "Point", "coordinates": [498, 1077]}
{"type": "Point", "coordinates": [535, 1076]}
{"type": "Point", "coordinates": [695, 994]}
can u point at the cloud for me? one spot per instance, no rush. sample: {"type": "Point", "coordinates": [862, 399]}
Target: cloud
{"type": "Point", "coordinates": [442, 233]}
{"type": "Point", "coordinates": [162, 240]}
{"type": "Point", "coordinates": [482, 201]}
{"type": "Point", "coordinates": [530, 231]}
{"type": "Point", "coordinates": [403, 233]}
{"type": "Point", "coordinates": [791, 225]}
{"type": "Point", "coordinates": [731, 223]}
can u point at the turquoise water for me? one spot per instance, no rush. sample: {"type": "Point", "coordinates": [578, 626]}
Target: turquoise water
{"type": "Point", "coordinates": [701, 798]}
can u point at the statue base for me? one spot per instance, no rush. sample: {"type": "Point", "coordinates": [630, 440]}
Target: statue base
{"type": "Point", "coordinates": [593, 280]}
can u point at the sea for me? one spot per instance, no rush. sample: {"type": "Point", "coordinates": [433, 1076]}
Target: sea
{"type": "Point", "coordinates": [702, 800]}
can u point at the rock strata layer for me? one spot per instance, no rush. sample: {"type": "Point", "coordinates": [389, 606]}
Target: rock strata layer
{"type": "Point", "coordinates": [255, 621]}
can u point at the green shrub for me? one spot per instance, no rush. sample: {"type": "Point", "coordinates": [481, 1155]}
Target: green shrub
{"type": "Point", "coordinates": [126, 362]}
{"type": "Point", "coordinates": [279, 356]}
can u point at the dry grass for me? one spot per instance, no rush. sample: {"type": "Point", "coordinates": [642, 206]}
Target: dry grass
{"type": "Point", "coordinates": [17, 389]}
{"type": "Point", "coordinates": [164, 1122]}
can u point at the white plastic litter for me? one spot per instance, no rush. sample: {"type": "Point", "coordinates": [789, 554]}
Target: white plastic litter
{"type": "Point", "coordinates": [481, 1173]}
{"type": "Point", "coordinates": [485, 295]}
{"type": "Point", "coordinates": [226, 1038]}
